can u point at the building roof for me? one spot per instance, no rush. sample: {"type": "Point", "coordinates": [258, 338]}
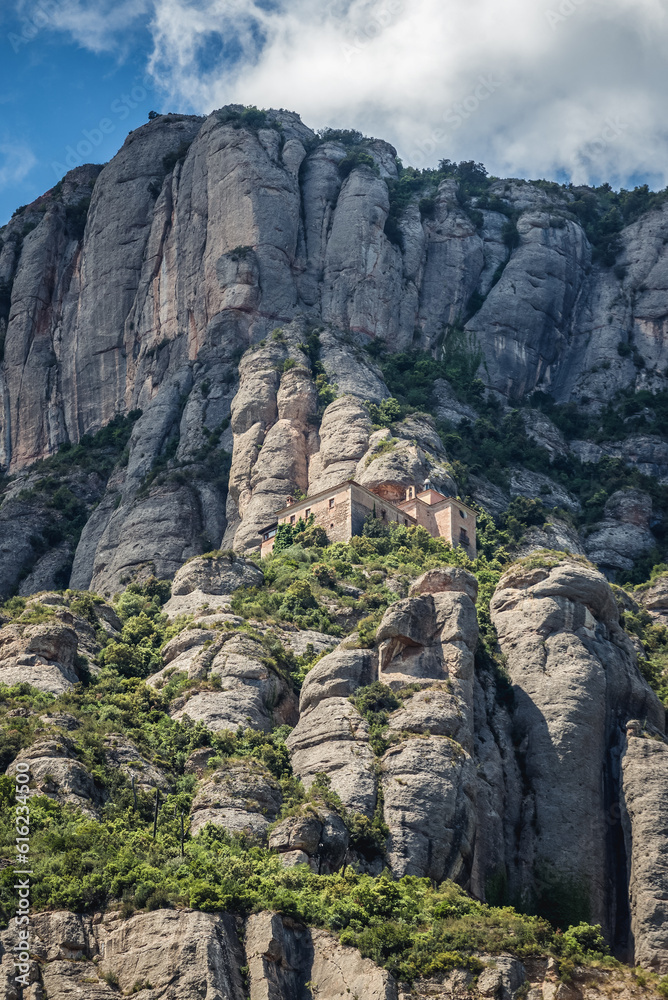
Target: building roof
{"type": "Point", "coordinates": [316, 496]}
{"type": "Point", "coordinates": [444, 499]}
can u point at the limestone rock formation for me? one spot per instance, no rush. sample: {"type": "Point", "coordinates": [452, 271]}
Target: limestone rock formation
{"type": "Point", "coordinates": [576, 684]}
{"type": "Point", "coordinates": [171, 953]}
{"type": "Point", "coordinates": [337, 675]}
{"type": "Point", "coordinates": [655, 598]}
{"type": "Point", "coordinates": [42, 655]}
{"type": "Point", "coordinates": [624, 534]}
{"type": "Point", "coordinates": [284, 957]}
{"type": "Point", "coordinates": [178, 954]}
{"type": "Point", "coordinates": [645, 769]}
{"type": "Point", "coordinates": [122, 754]}
{"type": "Point", "coordinates": [221, 574]}
{"type": "Point", "coordinates": [429, 806]}
{"type": "Point", "coordinates": [58, 774]}
{"type": "Point", "coordinates": [229, 353]}
{"type": "Point", "coordinates": [240, 796]}
{"type": "Point", "coordinates": [318, 838]}
{"type": "Point", "coordinates": [332, 739]}
{"type": "Point", "coordinates": [248, 693]}
{"type": "Point", "coordinates": [251, 243]}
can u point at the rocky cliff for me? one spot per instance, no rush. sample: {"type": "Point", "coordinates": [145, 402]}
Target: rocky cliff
{"type": "Point", "coordinates": [137, 288]}
{"type": "Point", "coordinates": [417, 757]}
{"type": "Point", "coordinates": [369, 769]}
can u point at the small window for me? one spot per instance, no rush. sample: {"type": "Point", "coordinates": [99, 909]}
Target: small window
{"type": "Point", "coordinates": [462, 514]}
{"type": "Point", "coordinates": [266, 537]}
{"type": "Point", "coordinates": [331, 502]}
{"type": "Point", "coordinates": [307, 512]}
{"type": "Point", "coordinates": [293, 518]}
{"type": "Point", "coordinates": [383, 515]}
{"type": "Point", "coordinates": [332, 525]}
{"type": "Point", "coordinates": [405, 522]}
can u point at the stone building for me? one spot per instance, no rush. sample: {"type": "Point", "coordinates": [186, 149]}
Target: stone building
{"type": "Point", "coordinates": [342, 510]}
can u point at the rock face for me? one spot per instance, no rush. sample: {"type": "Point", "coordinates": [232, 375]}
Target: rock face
{"type": "Point", "coordinates": [576, 685]}
{"type": "Point", "coordinates": [645, 770]}
{"type": "Point", "coordinates": [655, 599]}
{"type": "Point", "coordinates": [182, 954]}
{"type": "Point", "coordinates": [317, 837]}
{"type": "Point", "coordinates": [42, 655]}
{"type": "Point", "coordinates": [284, 958]}
{"type": "Point", "coordinates": [241, 796]}
{"type": "Point", "coordinates": [58, 774]}
{"type": "Point", "coordinates": [428, 778]}
{"type": "Point", "coordinates": [49, 646]}
{"type": "Point", "coordinates": [174, 954]}
{"type": "Point", "coordinates": [332, 739]}
{"type": "Point", "coordinates": [337, 675]}
{"type": "Point", "coordinates": [216, 575]}
{"type": "Point", "coordinates": [521, 790]}
{"type": "Point", "coordinates": [248, 693]}
{"type": "Point", "coordinates": [251, 238]}
{"type": "Point", "coordinates": [624, 534]}
{"type": "Point", "coordinates": [230, 335]}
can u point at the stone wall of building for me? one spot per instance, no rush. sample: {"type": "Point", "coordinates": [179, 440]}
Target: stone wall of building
{"type": "Point", "coordinates": [363, 504]}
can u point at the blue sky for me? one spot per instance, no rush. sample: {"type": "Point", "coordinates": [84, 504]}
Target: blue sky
{"type": "Point", "coordinates": [563, 89]}
{"type": "Point", "coordinates": [52, 92]}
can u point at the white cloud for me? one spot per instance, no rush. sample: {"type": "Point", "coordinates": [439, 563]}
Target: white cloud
{"type": "Point", "coordinates": [575, 88]}
{"type": "Point", "coordinates": [16, 161]}
{"type": "Point", "coordinates": [98, 25]}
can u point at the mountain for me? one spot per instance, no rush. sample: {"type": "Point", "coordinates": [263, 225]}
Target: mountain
{"type": "Point", "coordinates": [179, 278]}
{"type": "Point", "coordinates": [373, 768]}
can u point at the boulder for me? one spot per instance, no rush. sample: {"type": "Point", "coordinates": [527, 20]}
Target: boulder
{"type": "Point", "coordinates": [333, 739]}
{"type": "Point", "coordinates": [56, 772]}
{"type": "Point", "coordinates": [427, 638]}
{"type": "Point", "coordinates": [446, 579]}
{"type": "Point", "coordinates": [216, 575]}
{"type": "Point", "coordinates": [317, 833]}
{"type": "Point", "coordinates": [43, 656]}
{"type": "Point", "coordinates": [251, 693]}
{"type": "Point", "coordinates": [337, 675]}
{"type": "Point", "coordinates": [241, 796]}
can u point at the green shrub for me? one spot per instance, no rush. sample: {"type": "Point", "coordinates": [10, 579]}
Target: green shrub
{"type": "Point", "coordinates": [375, 703]}
{"type": "Point", "coordinates": [584, 941]}
{"type": "Point", "coordinates": [356, 158]}
{"type": "Point", "coordinates": [384, 414]}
